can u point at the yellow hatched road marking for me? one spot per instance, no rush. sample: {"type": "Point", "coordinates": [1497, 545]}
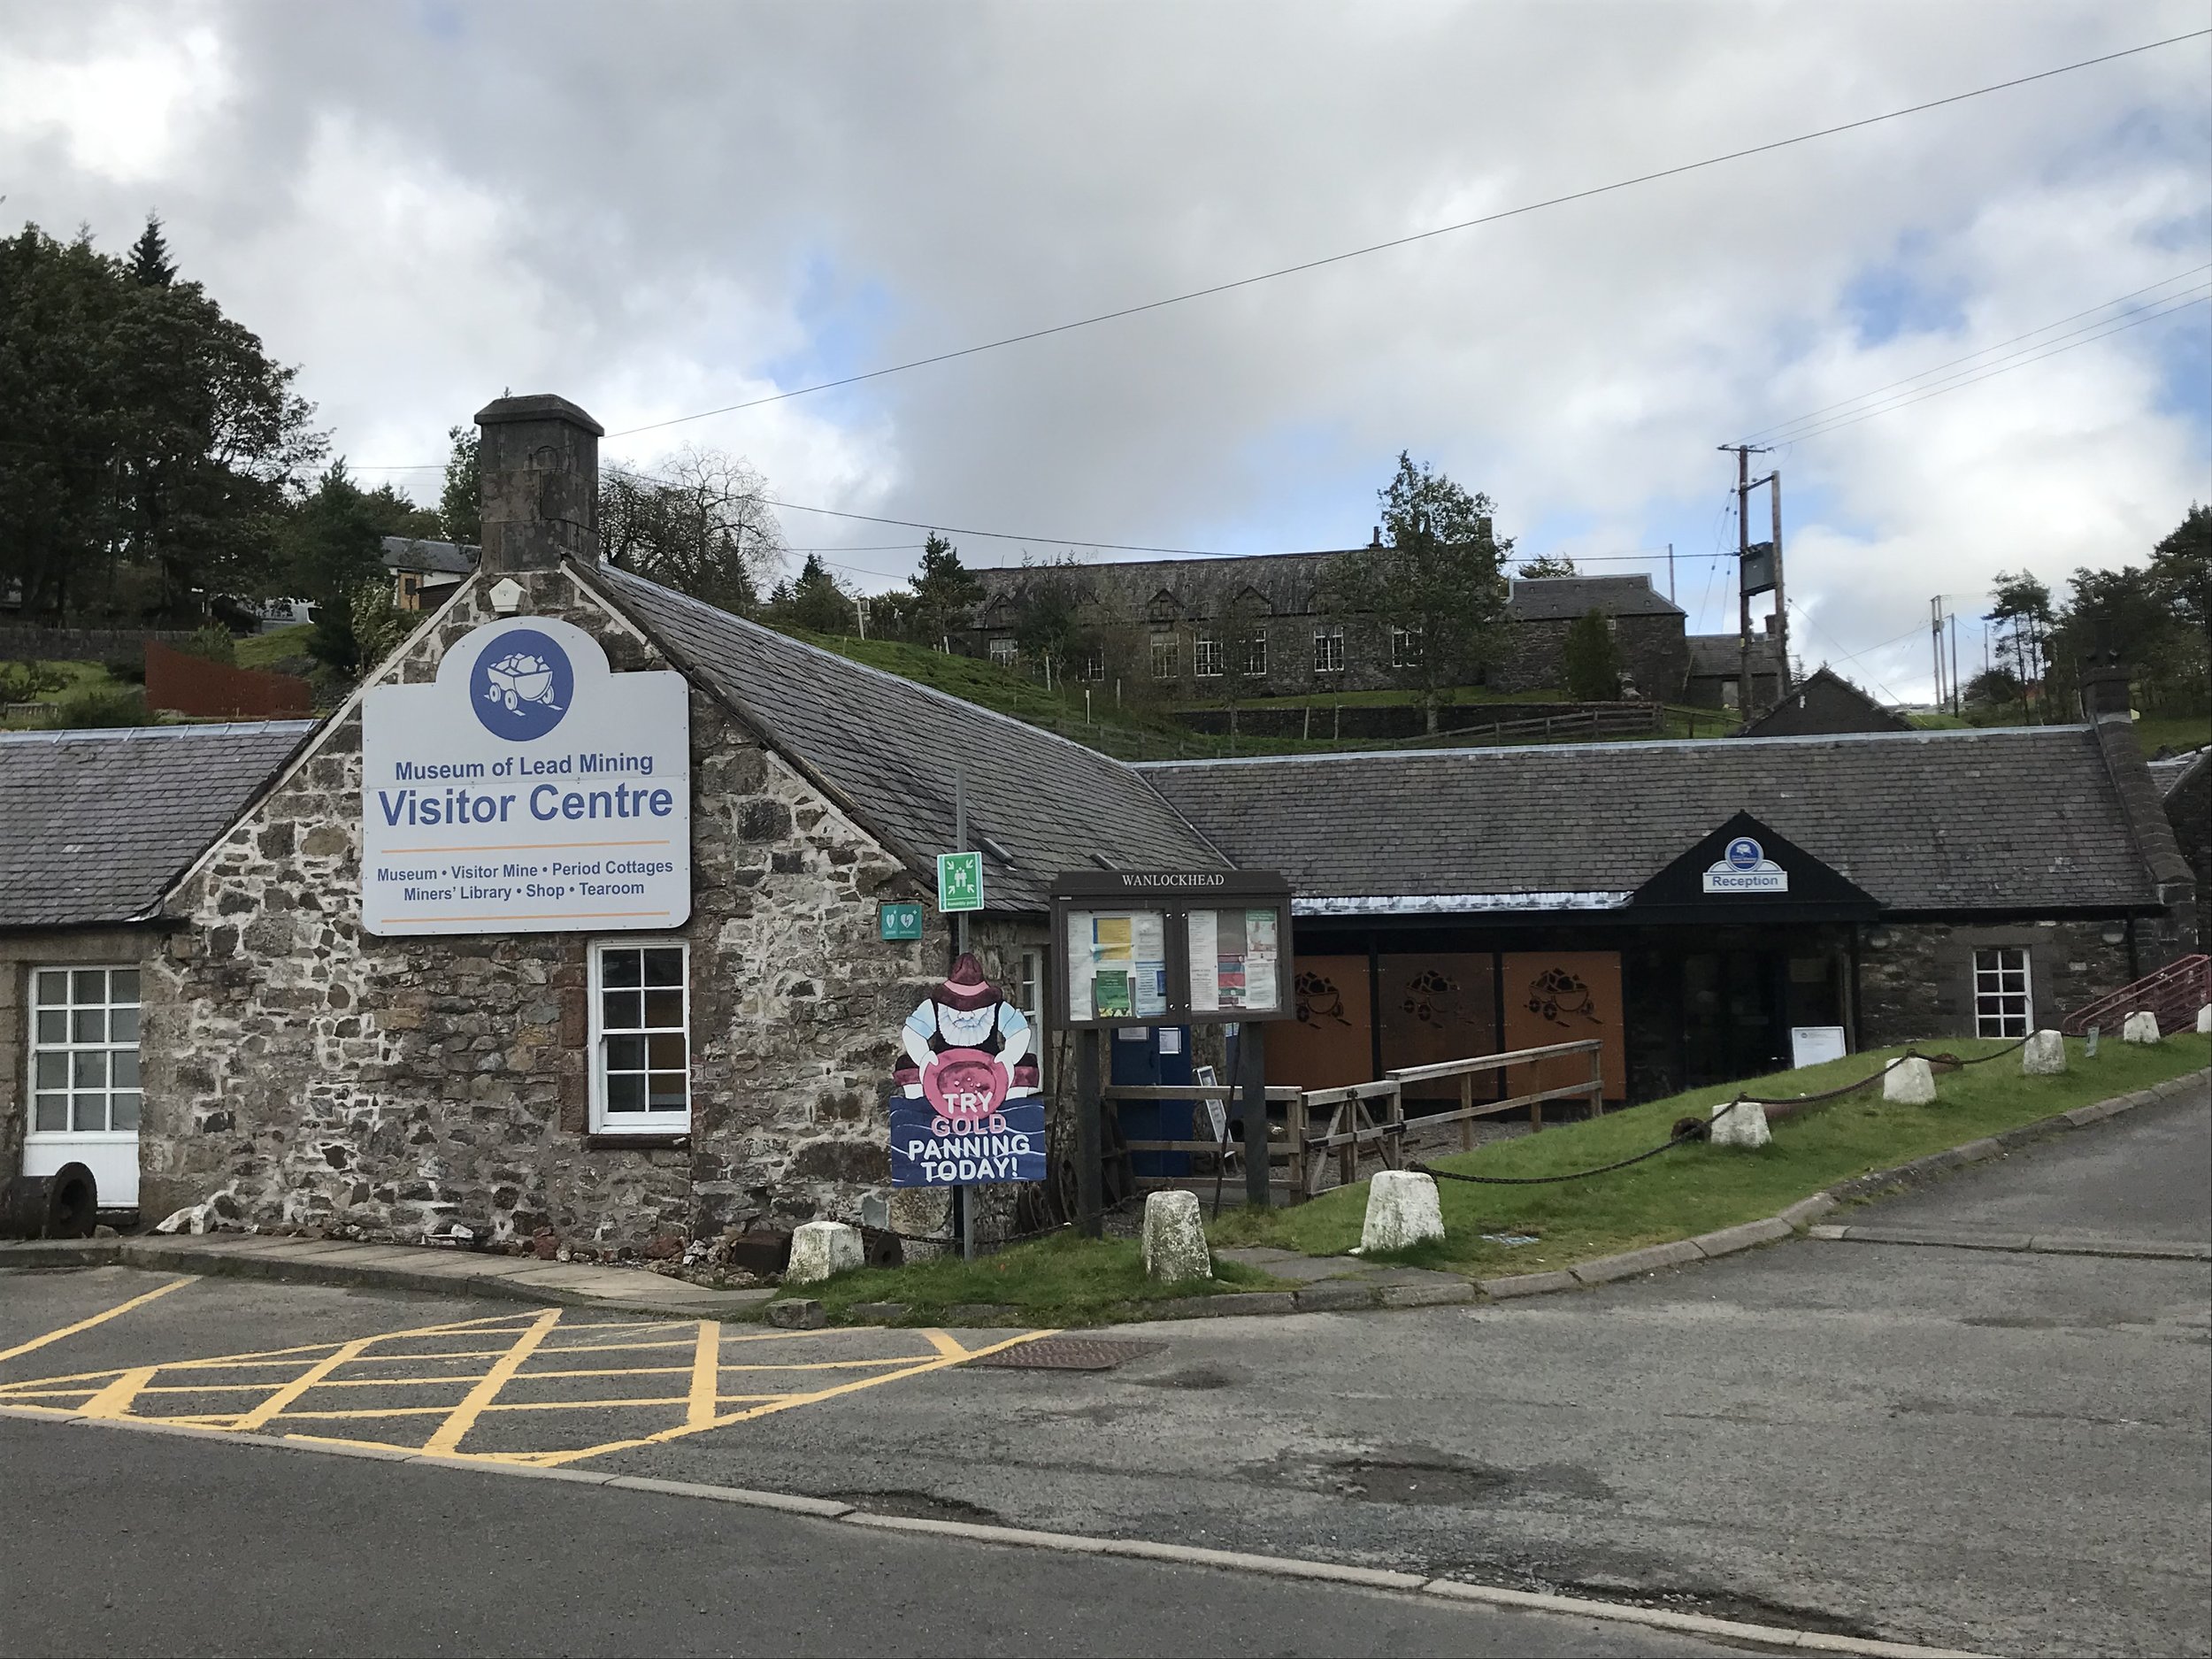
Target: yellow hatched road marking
{"type": "Point", "coordinates": [463, 1418]}
{"type": "Point", "coordinates": [114, 1401]}
{"type": "Point", "coordinates": [706, 1375]}
{"type": "Point", "coordinates": [301, 1383]}
{"type": "Point", "coordinates": [97, 1318]}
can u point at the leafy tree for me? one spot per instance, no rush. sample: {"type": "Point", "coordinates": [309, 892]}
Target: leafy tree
{"type": "Point", "coordinates": [149, 439]}
{"type": "Point", "coordinates": [1548, 564]}
{"type": "Point", "coordinates": [2022, 615]}
{"type": "Point", "coordinates": [1992, 688]}
{"type": "Point", "coordinates": [461, 499]}
{"type": "Point", "coordinates": [945, 591]}
{"type": "Point", "coordinates": [699, 524]}
{"type": "Point", "coordinates": [1593, 666]}
{"type": "Point", "coordinates": [2181, 571]}
{"type": "Point", "coordinates": [332, 545]}
{"type": "Point", "coordinates": [1437, 578]}
{"type": "Point", "coordinates": [1050, 625]}
{"type": "Point", "coordinates": [214, 643]}
{"type": "Point", "coordinates": [814, 601]}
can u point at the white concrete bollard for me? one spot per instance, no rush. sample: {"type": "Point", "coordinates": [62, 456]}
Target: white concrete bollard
{"type": "Point", "coordinates": [819, 1249]}
{"type": "Point", "coordinates": [2204, 1017]}
{"type": "Point", "coordinates": [1909, 1083]}
{"type": "Point", "coordinates": [2045, 1055]}
{"type": "Point", "coordinates": [2142, 1026]}
{"type": "Point", "coordinates": [1175, 1239]}
{"type": "Point", "coordinates": [1742, 1124]}
{"type": "Point", "coordinates": [1402, 1209]}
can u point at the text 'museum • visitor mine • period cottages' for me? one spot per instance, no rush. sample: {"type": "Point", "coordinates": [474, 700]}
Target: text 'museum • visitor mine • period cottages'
{"type": "Point", "coordinates": [568, 919]}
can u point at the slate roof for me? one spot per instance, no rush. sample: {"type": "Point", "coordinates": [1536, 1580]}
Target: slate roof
{"type": "Point", "coordinates": [885, 750]}
{"type": "Point", "coordinates": [1994, 819]}
{"type": "Point", "coordinates": [430, 558]}
{"type": "Point", "coordinates": [1285, 585]}
{"type": "Point", "coordinates": [94, 825]}
{"type": "Point", "coordinates": [1825, 701]}
{"type": "Point", "coordinates": [2169, 773]}
{"type": "Point", "coordinates": [1570, 598]}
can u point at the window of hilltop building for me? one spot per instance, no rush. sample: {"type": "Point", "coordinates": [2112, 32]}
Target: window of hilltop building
{"type": "Point", "coordinates": [1208, 655]}
{"type": "Point", "coordinates": [1405, 647]}
{"type": "Point", "coordinates": [2003, 1003]}
{"type": "Point", "coordinates": [1256, 655]}
{"type": "Point", "coordinates": [1028, 995]}
{"type": "Point", "coordinates": [1004, 652]}
{"type": "Point", "coordinates": [84, 1051]}
{"type": "Point", "coordinates": [640, 1039]}
{"type": "Point", "coordinates": [1091, 665]}
{"type": "Point", "coordinates": [1328, 649]}
{"type": "Point", "coordinates": [1163, 656]}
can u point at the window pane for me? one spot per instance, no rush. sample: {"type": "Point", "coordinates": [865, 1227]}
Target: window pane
{"type": "Point", "coordinates": [625, 1054]}
{"type": "Point", "coordinates": [53, 1070]}
{"type": "Point", "coordinates": [91, 985]}
{"type": "Point", "coordinates": [618, 967]}
{"type": "Point", "coordinates": [89, 1071]}
{"type": "Point", "coordinates": [88, 1112]}
{"type": "Point", "coordinates": [53, 1111]}
{"type": "Point", "coordinates": [123, 1111]}
{"type": "Point", "coordinates": [668, 1052]}
{"type": "Point", "coordinates": [123, 1025]}
{"type": "Point", "coordinates": [53, 1025]}
{"type": "Point", "coordinates": [123, 1068]}
{"type": "Point", "coordinates": [123, 985]}
{"type": "Point", "coordinates": [668, 1091]}
{"type": "Point", "coordinates": [664, 967]}
{"type": "Point", "coordinates": [665, 1010]}
{"type": "Point", "coordinates": [89, 1025]}
{"type": "Point", "coordinates": [626, 1093]}
{"type": "Point", "coordinates": [621, 1010]}
{"type": "Point", "coordinates": [53, 987]}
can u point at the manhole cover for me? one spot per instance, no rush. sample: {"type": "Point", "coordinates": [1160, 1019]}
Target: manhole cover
{"type": "Point", "coordinates": [1068, 1352]}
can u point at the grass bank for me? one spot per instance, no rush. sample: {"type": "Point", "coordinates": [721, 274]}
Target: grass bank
{"type": "Point", "coordinates": [1696, 1188]}
{"type": "Point", "coordinates": [1058, 1281]}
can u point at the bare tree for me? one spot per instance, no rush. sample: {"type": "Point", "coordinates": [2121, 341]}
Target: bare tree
{"type": "Point", "coordinates": [698, 521]}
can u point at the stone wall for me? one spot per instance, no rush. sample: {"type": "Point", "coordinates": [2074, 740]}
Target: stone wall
{"type": "Point", "coordinates": [1654, 657]}
{"type": "Point", "coordinates": [20, 954]}
{"type": "Point", "coordinates": [1921, 984]}
{"type": "Point", "coordinates": [303, 1072]}
{"type": "Point", "coordinates": [24, 642]}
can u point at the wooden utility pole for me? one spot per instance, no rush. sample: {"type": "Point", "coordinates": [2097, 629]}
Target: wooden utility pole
{"type": "Point", "coordinates": [1781, 603]}
{"type": "Point", "coordinates": [1743, 453]}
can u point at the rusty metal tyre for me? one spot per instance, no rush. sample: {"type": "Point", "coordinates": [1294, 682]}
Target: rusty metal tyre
{"type": "Point", "coordinates": [63, 1205]}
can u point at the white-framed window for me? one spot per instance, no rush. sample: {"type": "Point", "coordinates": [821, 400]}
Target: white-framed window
{"type": "Point", "coordinates": [1255, 654]}
{"type": "Point", "coordinates": [1091, 664]}
{"type": "Point", "coordinates": [1004, 652]}
{"type": "Point", "coordinates": [1328, 648]}
{"type": "Point", "coordinates": [1027, 993]}
{"type": "Point", "coordinates": [640, 1037]}
{"type": "Point", "coordinates": [1207, 655]}
{"type": "Point", "coordinates": [1405, 646]}
{"type": "Point", "coordinates": [1164, 656]}
{"type": "Point", "coordinates": [84, 1051]}
{"type": "Point", "coordinates": [2003, 1002]}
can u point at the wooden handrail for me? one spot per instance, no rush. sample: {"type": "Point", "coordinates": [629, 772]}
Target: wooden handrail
{"type": "Point", "coordinates": [1278, 1093]}
{"type": "Point", "coordinates": [1489, 1062]}
{"type": "Point", "coordinates": [1383, 1090]}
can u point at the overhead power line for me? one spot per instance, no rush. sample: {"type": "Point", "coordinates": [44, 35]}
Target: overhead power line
{"type": "Point", "coordinates": [1407, 240]}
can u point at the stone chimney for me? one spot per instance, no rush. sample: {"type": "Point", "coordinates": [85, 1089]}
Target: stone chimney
{"type": "Point", "coordinates": [2106, 693]}
{"type": "Point", "coordinates": [540, 461]}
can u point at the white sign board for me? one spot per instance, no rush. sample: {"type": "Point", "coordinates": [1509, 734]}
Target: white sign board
{"type": "Point", "coordinates": [1744, 867]}
{"type": "Point", "coordinates": [1809, 1045]}
{"type": "Point", "coordinates": [526, 790]}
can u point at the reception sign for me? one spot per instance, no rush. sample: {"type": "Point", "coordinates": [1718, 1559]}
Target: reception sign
{"type": "Point", "coordinates": [526, 790]}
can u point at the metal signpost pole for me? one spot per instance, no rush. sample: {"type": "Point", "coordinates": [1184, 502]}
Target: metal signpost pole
{"type": "Point", "coordinates": [1090, 1138]}
{"type": "Point", "coordinates": [959, 949]}
{"type": "Point", "coordinates": [1252, 1094]}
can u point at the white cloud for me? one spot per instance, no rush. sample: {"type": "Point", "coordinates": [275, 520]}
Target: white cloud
{"type": "Point", "coordinates": [126, 109]}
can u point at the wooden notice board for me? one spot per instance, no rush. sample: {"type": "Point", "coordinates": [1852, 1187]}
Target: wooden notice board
{"type": "Point", "coordinates": [1565, 996]}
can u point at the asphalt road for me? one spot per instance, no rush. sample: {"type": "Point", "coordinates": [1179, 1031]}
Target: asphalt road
{"type": "Point", "coordinates": [130, 1543]}
{"type": "Point", "coordinates": [2006, 1452]}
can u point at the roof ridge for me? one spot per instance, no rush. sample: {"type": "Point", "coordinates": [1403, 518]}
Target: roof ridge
{"type": "Point", "coordinates": [142, 734]}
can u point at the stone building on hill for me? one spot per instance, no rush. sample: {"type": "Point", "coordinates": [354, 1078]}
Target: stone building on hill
{"type": "Point", "coordinates": [1271, 626]}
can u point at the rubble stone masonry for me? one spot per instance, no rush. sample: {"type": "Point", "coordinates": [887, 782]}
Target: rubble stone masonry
{"type": "Point", "coordinates": [302, 1072]}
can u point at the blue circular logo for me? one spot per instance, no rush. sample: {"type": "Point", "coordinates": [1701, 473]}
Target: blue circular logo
{"type": "Point", "coordinates": [1744, 853]}
{"type": "Point", "coordinates": [521, 686]}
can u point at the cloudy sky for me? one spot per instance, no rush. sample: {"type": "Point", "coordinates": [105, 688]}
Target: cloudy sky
{"type": "Point", "coordinates": [661, 208]}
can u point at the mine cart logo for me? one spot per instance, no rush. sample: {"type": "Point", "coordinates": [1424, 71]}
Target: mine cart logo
{"type": "Point", "coordinates": [521, 686]}
{"type": "Point", "coordinates": [1744, 867]}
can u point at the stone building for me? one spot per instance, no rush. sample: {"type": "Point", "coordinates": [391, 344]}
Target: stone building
{"type": "Point", "coordinates": [1825, 704]}
{"type": "Point", "coordinates": [1272, 626]}
{"type": "Point", "coordinates": [710, 1044]}
{"type": "Point", "coordinates": [1715, 680]}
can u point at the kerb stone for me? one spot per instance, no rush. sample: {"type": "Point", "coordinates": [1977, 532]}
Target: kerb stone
{"type": "Point", "coordinates": [1402, 1210]}
{"type": "Point", "coordinates": [819, 1249]}
{"type": "Point", "coordinates": [1175, 1239]}
{"type": "Point", "coordinates": [1910, 1082]}
{"type": "Point", "coordinates": [2045, 1055]}
{"type": "Point", "coordinates": [1743, 1125]}
{"type": "Point", "coordinates": [2141, 1027]}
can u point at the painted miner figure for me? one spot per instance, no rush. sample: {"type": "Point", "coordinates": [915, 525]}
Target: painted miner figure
{"type": "Point", "coordinates": [967, 1047]}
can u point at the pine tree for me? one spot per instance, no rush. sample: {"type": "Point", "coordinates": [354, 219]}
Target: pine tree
{"type": "Point", "coordinates": [945, 590]}
{"type": "Point", "coordinates": [460, 503]}
{"type": "Point", "coordinates": [150, 265]}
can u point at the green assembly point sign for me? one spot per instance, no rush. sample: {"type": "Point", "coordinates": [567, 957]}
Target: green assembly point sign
{"type": "Point", "coordinates": [902, 921]}
{"type": "Point", "coordinates": [959, 881]}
